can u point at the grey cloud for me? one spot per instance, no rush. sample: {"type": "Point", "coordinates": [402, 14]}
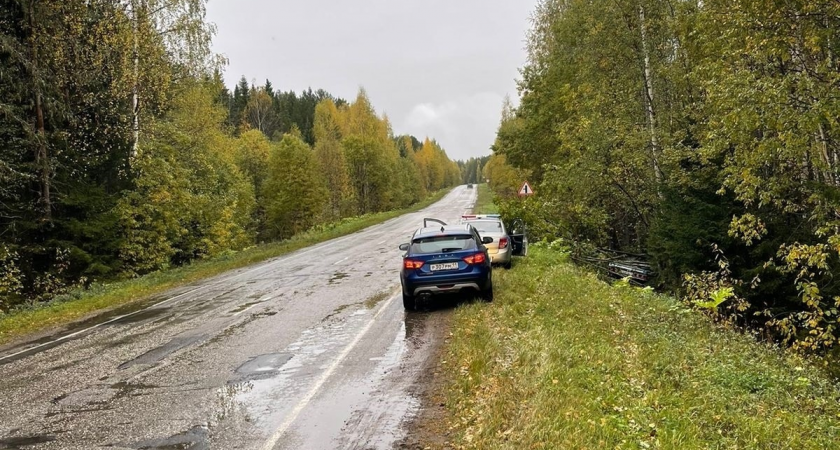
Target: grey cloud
{"type": "Point", "coordinates": [438, 68]}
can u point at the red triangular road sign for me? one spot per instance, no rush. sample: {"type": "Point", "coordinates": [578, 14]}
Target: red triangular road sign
{"type": "Point", "coordinates": [526, 190]}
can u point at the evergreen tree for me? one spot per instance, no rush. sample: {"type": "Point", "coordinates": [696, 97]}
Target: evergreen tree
{"type": "Point", "coordinates": [241, 95]}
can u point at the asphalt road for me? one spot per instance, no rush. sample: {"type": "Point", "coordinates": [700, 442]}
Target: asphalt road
{"type": "Point", "coordinates": [311, 350]}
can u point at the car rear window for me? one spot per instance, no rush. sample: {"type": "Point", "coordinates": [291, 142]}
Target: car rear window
{"type": "Point", "coordinates": [488, 226]}
{"type": "Point", "coordinates": [442, 244]}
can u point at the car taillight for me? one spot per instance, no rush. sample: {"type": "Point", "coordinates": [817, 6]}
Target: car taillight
{"type": "Point", "coordinates": [411, 264]}
{"type": "Point", "coordinates": [503, 243]}
{"type": "Point", "coordinates": [478, 258]}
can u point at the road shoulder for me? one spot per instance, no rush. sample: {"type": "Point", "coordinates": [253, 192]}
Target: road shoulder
{"type": "Point", "coordinates": [430, 427]}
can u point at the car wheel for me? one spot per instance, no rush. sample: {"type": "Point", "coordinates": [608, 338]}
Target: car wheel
{"type": "Point", "coordinates": [508, 265]}
{"type": "Point", "coordinates": [408, 302]}
{"type": "Point", "coordinates": [487, 294]}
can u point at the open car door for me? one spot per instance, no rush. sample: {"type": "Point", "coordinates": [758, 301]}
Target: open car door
{"type": "Point", "coordinates": [519, 238]}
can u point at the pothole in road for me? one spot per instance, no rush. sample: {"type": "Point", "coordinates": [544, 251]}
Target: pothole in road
{"type": "Point", "coordinates": [127, 389]}
{"type": "Point", "coordinates": [91, 396]}
{"type": "Point", "coordinates": [140, 316]}
{"type": "Point", "coordinates": [196, 438]}
{"type": "Point", "coordinates": [244, 306]}
{"type": "Point", "coordinates": [233, 329]}
{"type": "Point", "coordinates": [156, 355]}
{"type": "Point", "coordinates": [337, 311]}
{"type": "Point", "coordinates": [338, 276]}
{"type": "Point", "coordinates": [16, 443]}
{"type": "Point", "coordinates": [376, 299]}
{"type": "Point", "coordinates": [368, 304]}
{"type": "Point", "coordinates": [262, 366]}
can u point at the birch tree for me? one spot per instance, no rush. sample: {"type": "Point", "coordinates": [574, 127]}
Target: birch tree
{"type": "Point", "coordinates": [178, 27]}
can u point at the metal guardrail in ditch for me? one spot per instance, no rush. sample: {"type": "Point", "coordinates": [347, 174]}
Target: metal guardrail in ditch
{"type": "Point", "coordinates": [619, 265]}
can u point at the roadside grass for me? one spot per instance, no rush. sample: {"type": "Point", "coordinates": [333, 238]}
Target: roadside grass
{"type": "Point", "coordinates": [484, 203]}
{"type": "Point", "coordinates": [81, 303]}
{"type": "Point", "coordinates": [562, 360]}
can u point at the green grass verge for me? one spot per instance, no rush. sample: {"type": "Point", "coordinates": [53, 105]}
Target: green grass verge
{"type": "Point", "coordinates": [484, 203]}
{"type": "Point", "coordinates": [100, 297]}
{"type": "Point", "coordinates": [562, 360]}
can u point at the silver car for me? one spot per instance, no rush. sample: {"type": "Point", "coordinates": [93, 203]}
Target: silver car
{"type": "Point", "coordinates": [500, 250]}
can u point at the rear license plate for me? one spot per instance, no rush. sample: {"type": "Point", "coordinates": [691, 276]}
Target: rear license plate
{"type": "Point", "coordinates": [447, 266]}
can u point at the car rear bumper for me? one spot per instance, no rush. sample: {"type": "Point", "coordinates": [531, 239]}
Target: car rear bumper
{"type": "Point", "coordinates": [446, 289]}
{"type": "Point", "coordinates": [502, 257]}
{"type": "Point", "coordinates": [445, 284]}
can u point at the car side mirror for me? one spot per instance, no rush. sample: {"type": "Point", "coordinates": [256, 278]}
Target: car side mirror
{"type": "Point", "coordinates": [404, 247]}
{"type": "Point", "coordinates": [487, 240]}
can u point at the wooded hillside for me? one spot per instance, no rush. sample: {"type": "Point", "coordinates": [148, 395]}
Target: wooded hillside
{"type": "Point", "coordinates": [122, 152]}
{"type": "Point", "coordinates": [704, 133]}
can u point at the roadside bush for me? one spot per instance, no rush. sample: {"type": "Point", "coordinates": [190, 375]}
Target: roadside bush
{"type": "Point", "coordinates": [10, 278]}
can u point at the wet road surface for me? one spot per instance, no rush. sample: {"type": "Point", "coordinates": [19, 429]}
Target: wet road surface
{"type": "Point", "coordinates": [311, 350]}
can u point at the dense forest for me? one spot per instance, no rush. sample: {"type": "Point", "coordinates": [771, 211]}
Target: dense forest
{"type": "Point", "coordinates": [123, 152]}
{"type": "Point", "coordinates": [703, 133]}
{"type": "Point", "coordinates": [472, 170]}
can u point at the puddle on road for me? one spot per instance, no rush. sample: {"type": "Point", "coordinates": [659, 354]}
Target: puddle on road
{"type": "Point", "coordinates": [262, 366]}
{"type": "Point", "coordinates": [415, 329]}
{"type": "Point", "coordinates": [18, 443]}
{"type": "Point", "coordinates": [264, 387]}
{"type": "Point", "coordinates": [367, 410]}
{"type": "Point", "coordinates": [196, 438]}
{"type": "Point", "coordinates": [228, 405]}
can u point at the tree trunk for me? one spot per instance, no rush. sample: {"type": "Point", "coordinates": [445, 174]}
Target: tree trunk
{"type": "Point", "coordinates": [830, 175]}
{"type": "Point", "coordinates": [365, 186]}
{"type": "Point", "coordinates": [648, 84]}
{"type": "Point", "coordinates": [135, 90]}
{"type": "Point", "coordinates": [42, 162]}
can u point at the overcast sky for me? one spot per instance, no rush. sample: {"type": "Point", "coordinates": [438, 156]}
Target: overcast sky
{"type": "Point", "coordinates": [438, 68]}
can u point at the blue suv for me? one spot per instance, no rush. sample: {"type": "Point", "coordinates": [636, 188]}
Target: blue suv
{"type": "Point", "coordinates": [444, 259]}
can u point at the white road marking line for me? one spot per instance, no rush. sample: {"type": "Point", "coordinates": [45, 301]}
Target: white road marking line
{"type": "Point", "coordinates": [339, 262]}
{"type": "Point", "coordinates": [304, 402]}
{"type": "Point", "coordinates": [382, 242]}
